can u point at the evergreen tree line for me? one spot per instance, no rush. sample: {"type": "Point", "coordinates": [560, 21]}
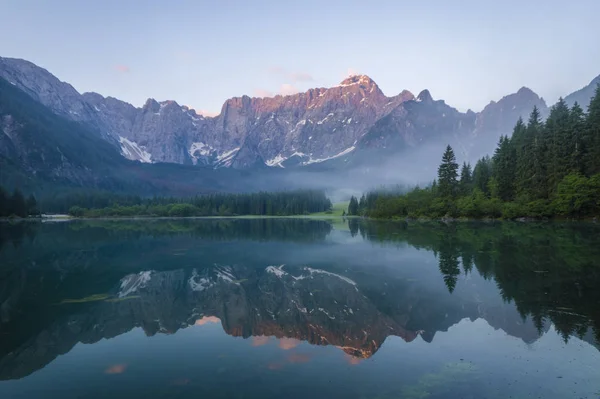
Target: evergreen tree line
{"type": "Point", "coordinates": [367, 201]}
{"type": "Point", "coordinates": [545, 169]}
{"type": "Point", "coordinates": [16, 205]}
{"type": "Point", "coordinates": [298, 202]}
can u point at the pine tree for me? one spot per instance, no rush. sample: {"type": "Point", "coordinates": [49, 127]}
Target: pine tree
{"type": "Point", "coordinates": [526, 147]}
{"type": "Point", "coordinates": [466, 179]}
{"type": "Point", "coordinates": [31, 205]}
{"type": "Point", "coordinates": [520, 142]}
{"type": "Point", "coordinates": [518, 136]}
{"type": "Point", "coordinates": [447, 175]}
{"type": "Point", "coordinates": [504, 169]}
{"type": "Point", "coordinates": [362, 204]}
{"type": "Point", "coordinates": [592, 135]}
{"type": "Point", "coordinates": [539, 181]}
{"type": "Point", "coordinates": [353, 206]}
{"type": "Point", "coordinates": [481, 174]}
{"type": "Point", "coordinates": [18, 207]}
{"type": "Point", "coordinates": [4, 203]}
{"type": "Point", "coordinates": [576, 136]}
{"type": "Point", "coordinates": [559, 143]}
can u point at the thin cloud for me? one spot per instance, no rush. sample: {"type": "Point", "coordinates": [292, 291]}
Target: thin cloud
{"type": "Point", "coordinates": [300, 77]}
{"type": "Point", "coordinates": [351, 72]}
{"type": "Point", "coordinates": [122, 68]}
{"type": "Point", "coordinates": [275, 366]}
{"type": "Point", "coordinates": [298, 358]}
{"type": "Point", "coordinates": [276, 70]}
{"type": "Point", "coordinates": [207, 319]}
{"type": "Point", "coordinates": [288, 343]}
{"type": "Point", "coordinates": [205, 112]}
{"type": "Point", "coordinates": [294, 77]}
{"type": "Point", "coordinates": [116, 369]}
{"type": "Point", "coordinates": [352, 360]}
{"type": "Point", "coordinates": [184, 55]}
{"type": "Point", "coordinates": [262, 93]}
{"type": "Point", "coordinates": [260, 340]}
{"type": "Point", "coordinates": [287, 89]}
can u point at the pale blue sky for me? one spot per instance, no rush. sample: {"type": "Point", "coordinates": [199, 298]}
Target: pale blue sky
{"type": "Point", "coordinates": [200, 53]}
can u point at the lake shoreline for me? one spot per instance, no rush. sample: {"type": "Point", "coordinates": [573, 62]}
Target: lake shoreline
{"type": "Point", "coordinates": [66, 218]}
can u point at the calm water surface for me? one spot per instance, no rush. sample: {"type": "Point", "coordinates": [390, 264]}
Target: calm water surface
{"type": "Point", "coordinates": [299, 308]}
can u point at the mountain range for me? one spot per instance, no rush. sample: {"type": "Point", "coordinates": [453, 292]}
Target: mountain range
{"type": "Point", "coordinates": [349, 125]}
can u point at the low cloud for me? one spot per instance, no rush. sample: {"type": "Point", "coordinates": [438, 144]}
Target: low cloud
{"type": "Point", "coordinates": [122, 68]}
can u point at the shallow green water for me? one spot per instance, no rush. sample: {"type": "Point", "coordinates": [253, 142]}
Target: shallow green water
{"type": "Point", "coordinates": [299, 308]}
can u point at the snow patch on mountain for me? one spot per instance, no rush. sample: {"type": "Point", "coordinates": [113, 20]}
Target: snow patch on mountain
{"type": "Point", "coordinates": [225, 273]}
{"type": "Point", "coordinates": [276, 161]}
{"type": "Point", "coordinates": [276, 270]}
{"type": "Point", "coordinates": [319, 271]}
{"type": "Point", "coordinates": [200, 149]}
{"type": "Point", "coordinates": [226, 158]}
{"type": "Point", "coordinates": [132, 282]}
{"type": "Point", "coordinates": [198, 283]}
{"type": "Point", "coordinates": [279, 272]}
{"type": "Point", "coordinates": [325, 119]}
{"type": "Point", "coordinates": [131, 150]}
{"type": "Point", "coordinates": [344, 152]}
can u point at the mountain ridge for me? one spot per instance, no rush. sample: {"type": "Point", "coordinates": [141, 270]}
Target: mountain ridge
{"type": "Point", "coordinates": [353, 124]}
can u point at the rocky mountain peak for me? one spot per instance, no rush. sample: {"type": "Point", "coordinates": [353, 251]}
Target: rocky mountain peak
{"type": "Point", "coordinates": [526, 91]}
{"type": "Point", "coordinates": [406, 95]}
{"type": "Point", "coordinates": [499, 117]}
{"type": "Point", "coordinates": [425, 96]}
{"type": "Point", "coordinates": [151, 105]}
{"type": "Point", "coordinates": [358, 79]}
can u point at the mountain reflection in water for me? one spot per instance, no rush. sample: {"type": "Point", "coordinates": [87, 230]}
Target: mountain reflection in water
{"type": "Point", "coordinates": [297, 280]}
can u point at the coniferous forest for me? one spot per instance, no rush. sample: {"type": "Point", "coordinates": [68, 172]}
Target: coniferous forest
{"type": "Point", "coordinates": [16, 204]}
{"type": "Point", "coordinates": [545, 169]}
{"type": "Point", "coordinates": [286, 203]}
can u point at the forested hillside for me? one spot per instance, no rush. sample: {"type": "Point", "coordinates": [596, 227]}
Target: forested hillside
{"type": "Point", "coordinates": [545, 169]}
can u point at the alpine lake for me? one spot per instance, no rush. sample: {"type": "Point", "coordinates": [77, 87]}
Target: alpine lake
{"type": "Point", "coordinates": [299, 308]}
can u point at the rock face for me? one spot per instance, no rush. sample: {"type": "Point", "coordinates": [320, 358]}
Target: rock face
{"type": "Point", "coordinates": [295, 130]}
{"type": "Point", "coordinates": [583, 95]}
{"type": "Point", "coordinates": [44, 87]}
{"type": "Point", "coordinates": [36, 143]}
